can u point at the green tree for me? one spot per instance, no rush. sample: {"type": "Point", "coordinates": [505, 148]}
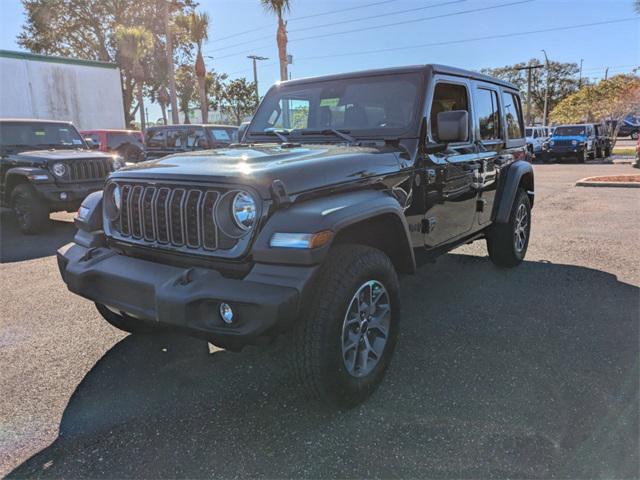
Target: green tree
{"type": "Point", "coordinates": [216, 90]}
{"type": "Point", "coordinates": [279, 8]}
{"type": "Point", "coordinates": [239, 99]}
{"type": "Point", "coordinates": [134, 43]}
{"type": "Point", "coordinates": [185, 90]}
{"type": "Point", "coordinates": [86, 29]}
{"type": "Point", "coordinates": [563, 81]}
{"type": "Point", "coordinates": [197, 27]}
{"type": "Point", "coordinates": [608, 100]}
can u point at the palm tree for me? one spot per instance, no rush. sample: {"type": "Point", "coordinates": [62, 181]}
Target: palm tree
{"type": "Point", "coordinates": [197, 27]}
{"type": "Point", "coordinates": [134, 43]}
{"type": "Point", "coordinates": [279, 8]}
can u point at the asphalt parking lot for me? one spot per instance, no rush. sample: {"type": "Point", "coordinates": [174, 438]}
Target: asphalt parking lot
{"type": "Point", "coordinates": [530, 372]}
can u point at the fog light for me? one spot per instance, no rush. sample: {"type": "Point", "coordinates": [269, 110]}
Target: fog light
{"type": "Point", "coordinates": [226, 313]}
{"type": "Point", "coordinates": [63, 196]}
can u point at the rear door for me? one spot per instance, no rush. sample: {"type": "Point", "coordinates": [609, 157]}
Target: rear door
{"type": "Point", "coordinates": [490, 141]}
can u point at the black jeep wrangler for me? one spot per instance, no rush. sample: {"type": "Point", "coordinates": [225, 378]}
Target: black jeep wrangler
{"type": "Point", "coordinates": [46, 166]}
{"type": "Point", "coordinates": [344, 183]}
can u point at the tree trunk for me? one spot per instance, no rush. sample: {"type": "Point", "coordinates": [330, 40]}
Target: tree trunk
{"type": "Point", "coordinates": [281, 39]}
{"type": "Point", "coordinates": [175, 118]}
{"type": "Point", "coordinates": [143, 122]}
{"type": "Point", "coordinates": [163, 108]}
{"type": "Point", "coordinates": [201, 73]}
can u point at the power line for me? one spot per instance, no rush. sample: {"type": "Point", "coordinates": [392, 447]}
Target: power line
{"type": "Point", "coordinates": [333, 24]}
{"type": "Point", "coordinates": [293, 19]}
{"type": "Point", "coordinates": [466, 40]}
{"type": "Point", "coordinates": [394, 24]}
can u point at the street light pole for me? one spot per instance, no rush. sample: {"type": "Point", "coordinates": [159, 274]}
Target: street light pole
{"type": "Point", "coordinates": [580, 80]}
{"type": "Point", "coordinates": [546, 91]}
{"type": "Point", "coordinates": [528, 68]}
{"type": "Point", "coordinates": [255, 73]}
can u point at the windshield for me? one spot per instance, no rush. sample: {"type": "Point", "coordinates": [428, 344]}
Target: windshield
{"type": "Point", "coordinates": [36, 135]}
{"type": "Point", "coordinates": [569, 131]}
{"type": "Point", "coordinates": [369, 106]}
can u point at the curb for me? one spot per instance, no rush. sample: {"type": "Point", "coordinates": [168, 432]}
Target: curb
{"type": "Point", "coordinates": [585, 182]}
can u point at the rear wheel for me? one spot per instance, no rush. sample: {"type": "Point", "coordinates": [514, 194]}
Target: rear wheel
{"type": "Point", "coordinates": [508, 242]}
{"type": "Point", "coordinates": [31, 212]}
{"type": "Point", "coordinates": [126, 323]}
{"type": "Point", "coordinates": [345, 341]}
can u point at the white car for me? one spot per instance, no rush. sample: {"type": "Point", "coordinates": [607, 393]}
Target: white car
{"type": "Point", "coordinates": [536, 136]}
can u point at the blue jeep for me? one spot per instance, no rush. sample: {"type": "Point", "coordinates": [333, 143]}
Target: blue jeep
{"type": "Point", "coordinates": [573, 141]}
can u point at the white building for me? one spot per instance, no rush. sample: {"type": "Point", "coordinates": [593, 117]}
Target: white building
{"type": "Point", "coordinates": [85, 92]}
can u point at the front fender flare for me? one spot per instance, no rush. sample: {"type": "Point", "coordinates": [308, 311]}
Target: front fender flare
{"type": "Point", "coordinates": [509, 186]}
{"type": "Point", "coordinates": [335, 213]}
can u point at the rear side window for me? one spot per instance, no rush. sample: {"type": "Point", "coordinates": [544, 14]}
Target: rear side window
{"type": "Point", "coordinates": [156, 138]}
{"type": "Point", "coordinates": [513, 115]}
{"type": "Point", "coordinates": [196, 138]}
{"type": "Point", "coordinates": [447, 97]}
{"type": "Point", "coordinates": [176, 138]}
{"type": "Point", "coordinates": [488, 114]}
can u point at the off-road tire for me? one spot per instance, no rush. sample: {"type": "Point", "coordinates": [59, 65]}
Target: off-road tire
{"type": "Point", "coordinates": [32, 213]}
{"type": "Point", "coordinates": [126, 323]}
{"type": "Point", "coordinates": [501, 237]}
{"type": "Point", "coordinates": [318, 335]}
{"type": "Point", "coordinates": [580, 157]}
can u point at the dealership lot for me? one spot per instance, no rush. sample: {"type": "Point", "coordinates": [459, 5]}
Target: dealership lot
{"type": "Point", "coordinates": [531, 372]}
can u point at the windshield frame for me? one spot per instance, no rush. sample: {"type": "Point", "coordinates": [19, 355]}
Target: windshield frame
{"type": "Point", "coordinates": [43, 146]}
{"type": "Point", "coordinates": [410, 131]}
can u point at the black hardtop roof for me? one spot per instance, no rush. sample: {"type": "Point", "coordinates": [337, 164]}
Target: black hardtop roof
{"type": "Point", "coordinates": [430, 69]}
{"type": "Point", "coordinates": [34, 120]}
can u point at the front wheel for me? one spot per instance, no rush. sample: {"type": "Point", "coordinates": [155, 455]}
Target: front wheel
{"type": "Point", "coordinates": [508, 242]}
{"type": "Point", "coordinates": [580, 156]}
{"type": "Point", "coordinates": [345, 341]}
{"type": "Point", "coordinates": [31, 212]}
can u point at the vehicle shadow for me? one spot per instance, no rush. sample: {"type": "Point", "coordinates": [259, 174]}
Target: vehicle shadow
{"type": "Point", "coordinates": [15, 247]}
{"type": "Point", "coordinates": [530, 372]}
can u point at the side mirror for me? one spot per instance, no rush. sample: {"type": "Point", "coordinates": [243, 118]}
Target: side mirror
{"type": "Point", "coordinates": [453, 126]}
{"type": "Point", "coordinates": [91, 144]}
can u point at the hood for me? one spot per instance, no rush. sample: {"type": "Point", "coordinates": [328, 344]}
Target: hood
{"type": "Point", "coordinates": [60, 155]}
{"type": "Point", "coordinates": [302, 168]}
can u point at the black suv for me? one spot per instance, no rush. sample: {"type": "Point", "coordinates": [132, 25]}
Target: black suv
{"type": "Point", "coordinates": [169, 139]}
{"type": "Point", "coordinates": [344, 183]}
{"type": "Point", "coordinates": [46, 166]}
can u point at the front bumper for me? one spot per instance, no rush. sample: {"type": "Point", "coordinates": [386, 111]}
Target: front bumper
{"type": "Point", "coordinates": [565, 151]}
{"type": "Point", "coordinates": [67, 194]}
{"type": "Point", "coordinates": [266, 300]}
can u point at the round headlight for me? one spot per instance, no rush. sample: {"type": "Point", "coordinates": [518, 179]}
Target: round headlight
{"type": "Point", "coordinates": [244, 210]}
{"type": "Point", "coordinates": [574, 142]}
{"type": "Point", "coordinates": [59, 169]}
{"type": "Point", "coordinates": [118, 162]}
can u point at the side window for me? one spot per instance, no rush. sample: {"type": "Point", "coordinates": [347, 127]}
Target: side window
{"type": "Point", "coordinates": [176, 138]}
{"type": "Point", "coordinates": [488, 114]}
{"type": "Point", "coordinates": [447, 97]}
{"type": "Point", "coordinates": [513, 115]}
{"type": "Point", "coordinates": [196, 138]}
{"type": "Point", "coordinates": [95, 138]}
{"type": "Point", "coordinates": [156, 138]}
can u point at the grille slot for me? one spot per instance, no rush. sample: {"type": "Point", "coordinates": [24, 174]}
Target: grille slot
{"type": "Point", "coordinates": [90, 169]}
{"type": "Point", "coordinates": [562, 143]}
{"type": "Point", "coordinates": [180, 217]}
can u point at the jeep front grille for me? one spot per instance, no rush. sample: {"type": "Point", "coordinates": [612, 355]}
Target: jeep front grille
{"type": "Point", "coordinates": [90, 169]}
{"type": "Point", "coordinates": [562, 143]}
{"type": "Point", "coordinates": [172, 216]}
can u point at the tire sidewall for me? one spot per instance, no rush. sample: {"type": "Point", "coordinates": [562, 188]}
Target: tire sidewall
{"type": "Point", "coordinates": [35, 217]}
{"type": "Point", "coordinates": [522, 198]}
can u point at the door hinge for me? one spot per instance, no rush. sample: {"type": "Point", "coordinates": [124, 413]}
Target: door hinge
{"type": "Point", "coordinates": [429, 225]}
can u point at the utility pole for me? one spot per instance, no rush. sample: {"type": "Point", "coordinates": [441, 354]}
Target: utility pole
{"type": "Point", "coordinates": [546, 91]}
{"type": "Point", "coordinates": [527, 113]}
{"type": "Point", "coordinates": [606, 73]}
{"type": "Point", "coordinates": [255, 73]}
{"type": "Point", "coordinates": [580, 80]}
{"type": "Point", "coordinates": [175, 119]}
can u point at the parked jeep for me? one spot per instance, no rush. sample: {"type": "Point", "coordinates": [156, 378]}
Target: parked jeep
{"type": "Point", "coordinates": [46, 166]}
{"type": "Point", "coordinates": [344, 183]}
{"type": "Point", "coordinates": [573, 141]}
{"type": "Point", "coordinates": [163, 140]}
{"type": "Point", "coordinates": [536, 138]}
{"type": "Point", "coordinates": [603, 140]}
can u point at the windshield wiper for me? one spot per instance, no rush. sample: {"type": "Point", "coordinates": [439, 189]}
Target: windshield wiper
{"type": "Point", "coordinates": [279, 134]}
{"type": "Point", "coordinates": [333, 131]}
